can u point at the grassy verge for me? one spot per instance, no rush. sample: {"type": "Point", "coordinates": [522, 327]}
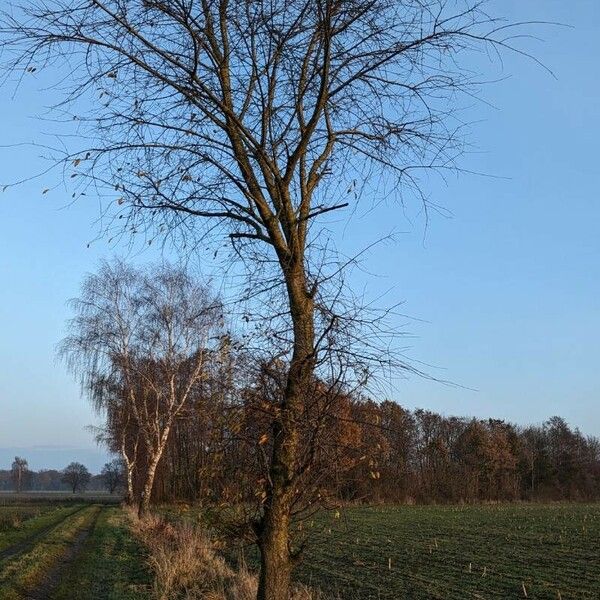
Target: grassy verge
{"type": "Point", "coordinates": [187, 562]}
{"type": "Point", "coordinates": [111, 565]}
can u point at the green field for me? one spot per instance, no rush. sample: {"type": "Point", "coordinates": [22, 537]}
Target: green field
{"type": "Point", "coordinates": [84, 551]}
{"type": "Point", "coordinates": [504, 551]}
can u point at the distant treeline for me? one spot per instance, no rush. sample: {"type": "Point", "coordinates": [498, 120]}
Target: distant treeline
{"type": "Point", "coordinates": [46, 480]}
{"type": "Point", "coordinates": [405, 456]}
{"type": "Point", "coordinates": [415, 456]}
{"type": "Point", "coordinates": [73, 478]}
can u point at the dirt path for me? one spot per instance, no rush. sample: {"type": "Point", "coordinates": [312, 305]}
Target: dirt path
{"type": "Point", "coordinates": [28, 543]}
{"type": "Point", "coordinates": [52, 579]}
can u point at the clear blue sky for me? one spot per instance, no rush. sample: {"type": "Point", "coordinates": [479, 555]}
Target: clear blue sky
{"type": "Point", "coordinates": [508, 288]}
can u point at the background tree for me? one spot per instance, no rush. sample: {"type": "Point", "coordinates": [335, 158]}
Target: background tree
{"type": "Point", "coordinates": [76, 476]}
{"type": "Point", "coordinates": [214, 454]}
{"type": "Point", "coordinates": [255, 120]}
{"type": "Point", "coordinates": [112, 474]}
{"type": "Point", "coordinates": [141, 341]}
{"type": "Point", "coordinates": [19, 471]}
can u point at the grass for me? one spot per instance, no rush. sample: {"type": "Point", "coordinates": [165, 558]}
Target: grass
{"type": "Point", "coordinates": [30, 569]}
{"type": "Point", "coordinates": [111, 565]}
{"type": "Point", "coordinates": [72, 551]}
{"type": "Point", "coordinates": [401, 553]}
{"type": "Point", "coordinates": [40, 518]}
{"type": "Point", "coordinates": [187, 562]}
{"type": "Point", "coordinates": [503, 551]}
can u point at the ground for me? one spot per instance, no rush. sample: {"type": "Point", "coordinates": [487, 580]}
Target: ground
{"type": "Point", "coordinates": [83, 550]}
{"type": "Point", "coordinates": [505, 551]}
{"type": "Point", "coordinates": [69, 550]}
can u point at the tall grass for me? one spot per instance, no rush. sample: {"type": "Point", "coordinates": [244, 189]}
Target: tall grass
{"type": "Point", "coordinates": [186, 564]}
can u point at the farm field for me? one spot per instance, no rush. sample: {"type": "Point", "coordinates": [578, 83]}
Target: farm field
{"type": "Point", "coordinates": [84, 551]}
{"type": "Point", "coordinates": [506, 551]}
{"type": "Point", "coordinates": [12, 498]}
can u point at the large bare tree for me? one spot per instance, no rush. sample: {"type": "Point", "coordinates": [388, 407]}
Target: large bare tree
{"type": "Point", "coordinates": [253, 120]}
{"type": "Point", "coordinates": [76, 476]}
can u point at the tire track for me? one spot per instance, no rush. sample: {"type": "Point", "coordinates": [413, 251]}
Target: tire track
{"type": "Point", "coordinates": [28, 543]}
{"type": "Point", "coordinates": [52, 578]}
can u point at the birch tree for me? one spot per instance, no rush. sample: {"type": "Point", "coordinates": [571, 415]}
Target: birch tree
{"type": "Point", "coordinates": [140, 340]}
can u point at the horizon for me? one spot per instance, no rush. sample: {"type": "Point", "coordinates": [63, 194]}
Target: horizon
{"type": "Point", "coordinates": [56, 457]}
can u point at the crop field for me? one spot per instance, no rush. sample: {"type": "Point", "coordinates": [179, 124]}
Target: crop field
{"type": "Point", "coordinates": [27, 498]}
{"type": "Point", "coordinates": [85, 551]}
{"type": "Point", "coordinates": [505, 551]}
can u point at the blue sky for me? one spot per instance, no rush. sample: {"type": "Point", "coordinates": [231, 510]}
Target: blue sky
{"type": "Point", "coordinates": [505, 292]}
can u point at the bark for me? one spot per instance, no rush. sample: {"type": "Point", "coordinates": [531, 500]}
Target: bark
{"type": "Point", "coordinates": [276, 567]}
{"type": "Point", "coordinates": [129, 496]}
{"type": "Point", "coordinates": [274, 529]}
{"type": "Point", "coordinates": [150, 473]}
{"type": "Point", "coordinates": [147, 489]}
{"type": "Point", "coordinates": [130, 466]}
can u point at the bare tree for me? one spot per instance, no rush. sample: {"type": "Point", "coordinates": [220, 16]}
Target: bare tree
{"type": "Point", "coordinates": [255, 120]}
{"type": "Point", "coordinates": [18, 473]}
{"type": "Point", "coordinates": [112, 474]}
{"type": "Point", "coordinates": [76, 476]}
{"type": "Point", "coordinates": [140, 340]}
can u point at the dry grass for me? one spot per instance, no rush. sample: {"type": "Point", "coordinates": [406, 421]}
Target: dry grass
{"type": "Point", "coordinates": [187, 564]}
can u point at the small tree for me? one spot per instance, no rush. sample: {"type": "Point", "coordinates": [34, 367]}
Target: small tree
{"type": "Point", "coordinates": [76, 476]}
{"type": "Point", "coordinates": [112, 474]}
{"type": "Point", "coordinates": [19, 472]}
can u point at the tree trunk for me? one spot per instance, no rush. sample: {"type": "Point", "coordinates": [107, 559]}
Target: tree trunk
{"type": "Point", "coordinates": [129, 466]}
{"type": "Point", "coordinates": [274, 529]}
{"type": "Point", "coordinates": [129, 496]}
{"type": "Point", "coordinates": [148, 484]}
{"type": "Point", "coordinates": [276, 567]}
